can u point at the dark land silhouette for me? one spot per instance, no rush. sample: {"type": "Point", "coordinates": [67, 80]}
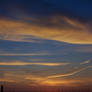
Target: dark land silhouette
{"type": "Point", "coordinates": [52, 89]}
{"type": "Point", "coordinates": [2, 88]}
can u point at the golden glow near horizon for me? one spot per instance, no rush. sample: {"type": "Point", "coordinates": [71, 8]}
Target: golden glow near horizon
{"type": "Point", "coordinates": [47, 80]}
{"type": "Point", "coordinates": [38, 80]}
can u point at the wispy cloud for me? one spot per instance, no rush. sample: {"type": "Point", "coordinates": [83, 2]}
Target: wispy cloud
{"type": "Point", "coordinates": [68, 74]}
{"type": "Point", "coordinates": [85, 62]}
{"type": "Point", "coordinates": [25, 54]}
{"type": "Point", "coordinates": [52, 80]}
{"type": "Point", "coordinates": [20, 38]}
{"type": "Point", "coordinates": [29, 63]}
{"type": "Point", "coordinates": [6, 80]}
{"type": "Point", "coordinates": [75, 32]}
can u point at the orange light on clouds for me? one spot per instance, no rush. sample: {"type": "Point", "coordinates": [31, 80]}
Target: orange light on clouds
{"type": "Point", "coordinates": [30, 63]}
{"type": "Point", "coordinates": [78, 34]}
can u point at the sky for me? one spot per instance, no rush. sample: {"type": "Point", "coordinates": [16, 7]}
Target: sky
{"type": "Point", "coordinates": [46, 42]}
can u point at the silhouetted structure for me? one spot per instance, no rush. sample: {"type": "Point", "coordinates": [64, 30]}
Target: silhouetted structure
{"type": "Point", "coordinates": [2, 88]}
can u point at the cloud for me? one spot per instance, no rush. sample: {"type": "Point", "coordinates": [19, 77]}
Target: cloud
{"type": "Point", "coordinates": [29, 63]}
{"type": "Point", "coordinates": [58, 28]}
{"type": "Point", "coordinates": [32, 78]}
{"type": "Point", "coordinates": [24, 54]}
{"type": "Point", "coordinates": [85, 62]}
{"type": "Point", "coordinates": [20, 38]}
{"type": "Point", "coordinates": [56, 82]}
{"type": "Point", "coordinates": [6, 80]}
{"type": "Point", "coordinates": [42, 81]}
{"type": "Point", "coordinates": [68, 74]}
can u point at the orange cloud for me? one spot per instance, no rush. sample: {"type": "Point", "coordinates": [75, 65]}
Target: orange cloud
{"type": "Point", "coordinates": [38, 79]}
{"type": "Point", "coordinates": [6, 80]}
{"type": "Point", "coordinates": [30, 63]}
{"type": "Point", "coordinates": [65, 29]}
{"type": "Point", "coordinates": [68, 74]}
{"type": "Point", "coordinates": [58, 82]}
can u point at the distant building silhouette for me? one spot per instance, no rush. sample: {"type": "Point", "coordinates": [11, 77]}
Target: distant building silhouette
{"type": "Point", "coordinates": [2, 88]}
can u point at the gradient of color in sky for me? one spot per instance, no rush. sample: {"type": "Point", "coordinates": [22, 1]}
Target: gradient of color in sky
{"type": "Point", "coordinates": [46, 43]}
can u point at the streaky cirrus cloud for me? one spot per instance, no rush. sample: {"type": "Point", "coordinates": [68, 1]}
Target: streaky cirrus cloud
{"type": "Point", "coordinates": [25, 54]}
{"type": "Point", "coordinates": [85, 62]}
{"type": "Point", "coordinates": [58, 28]}
{"type": "Point", "coordinates": [6, 80]}
{"type": "Point", "coordinates": [68, 74]}
{"type": "Point", "coordinates": [17, 63]}
{"type": "Point", "coordinates": [56, 82]}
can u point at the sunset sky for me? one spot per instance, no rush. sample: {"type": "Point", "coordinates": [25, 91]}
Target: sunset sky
{"type": "Point", "coordinates": [46, 42]}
